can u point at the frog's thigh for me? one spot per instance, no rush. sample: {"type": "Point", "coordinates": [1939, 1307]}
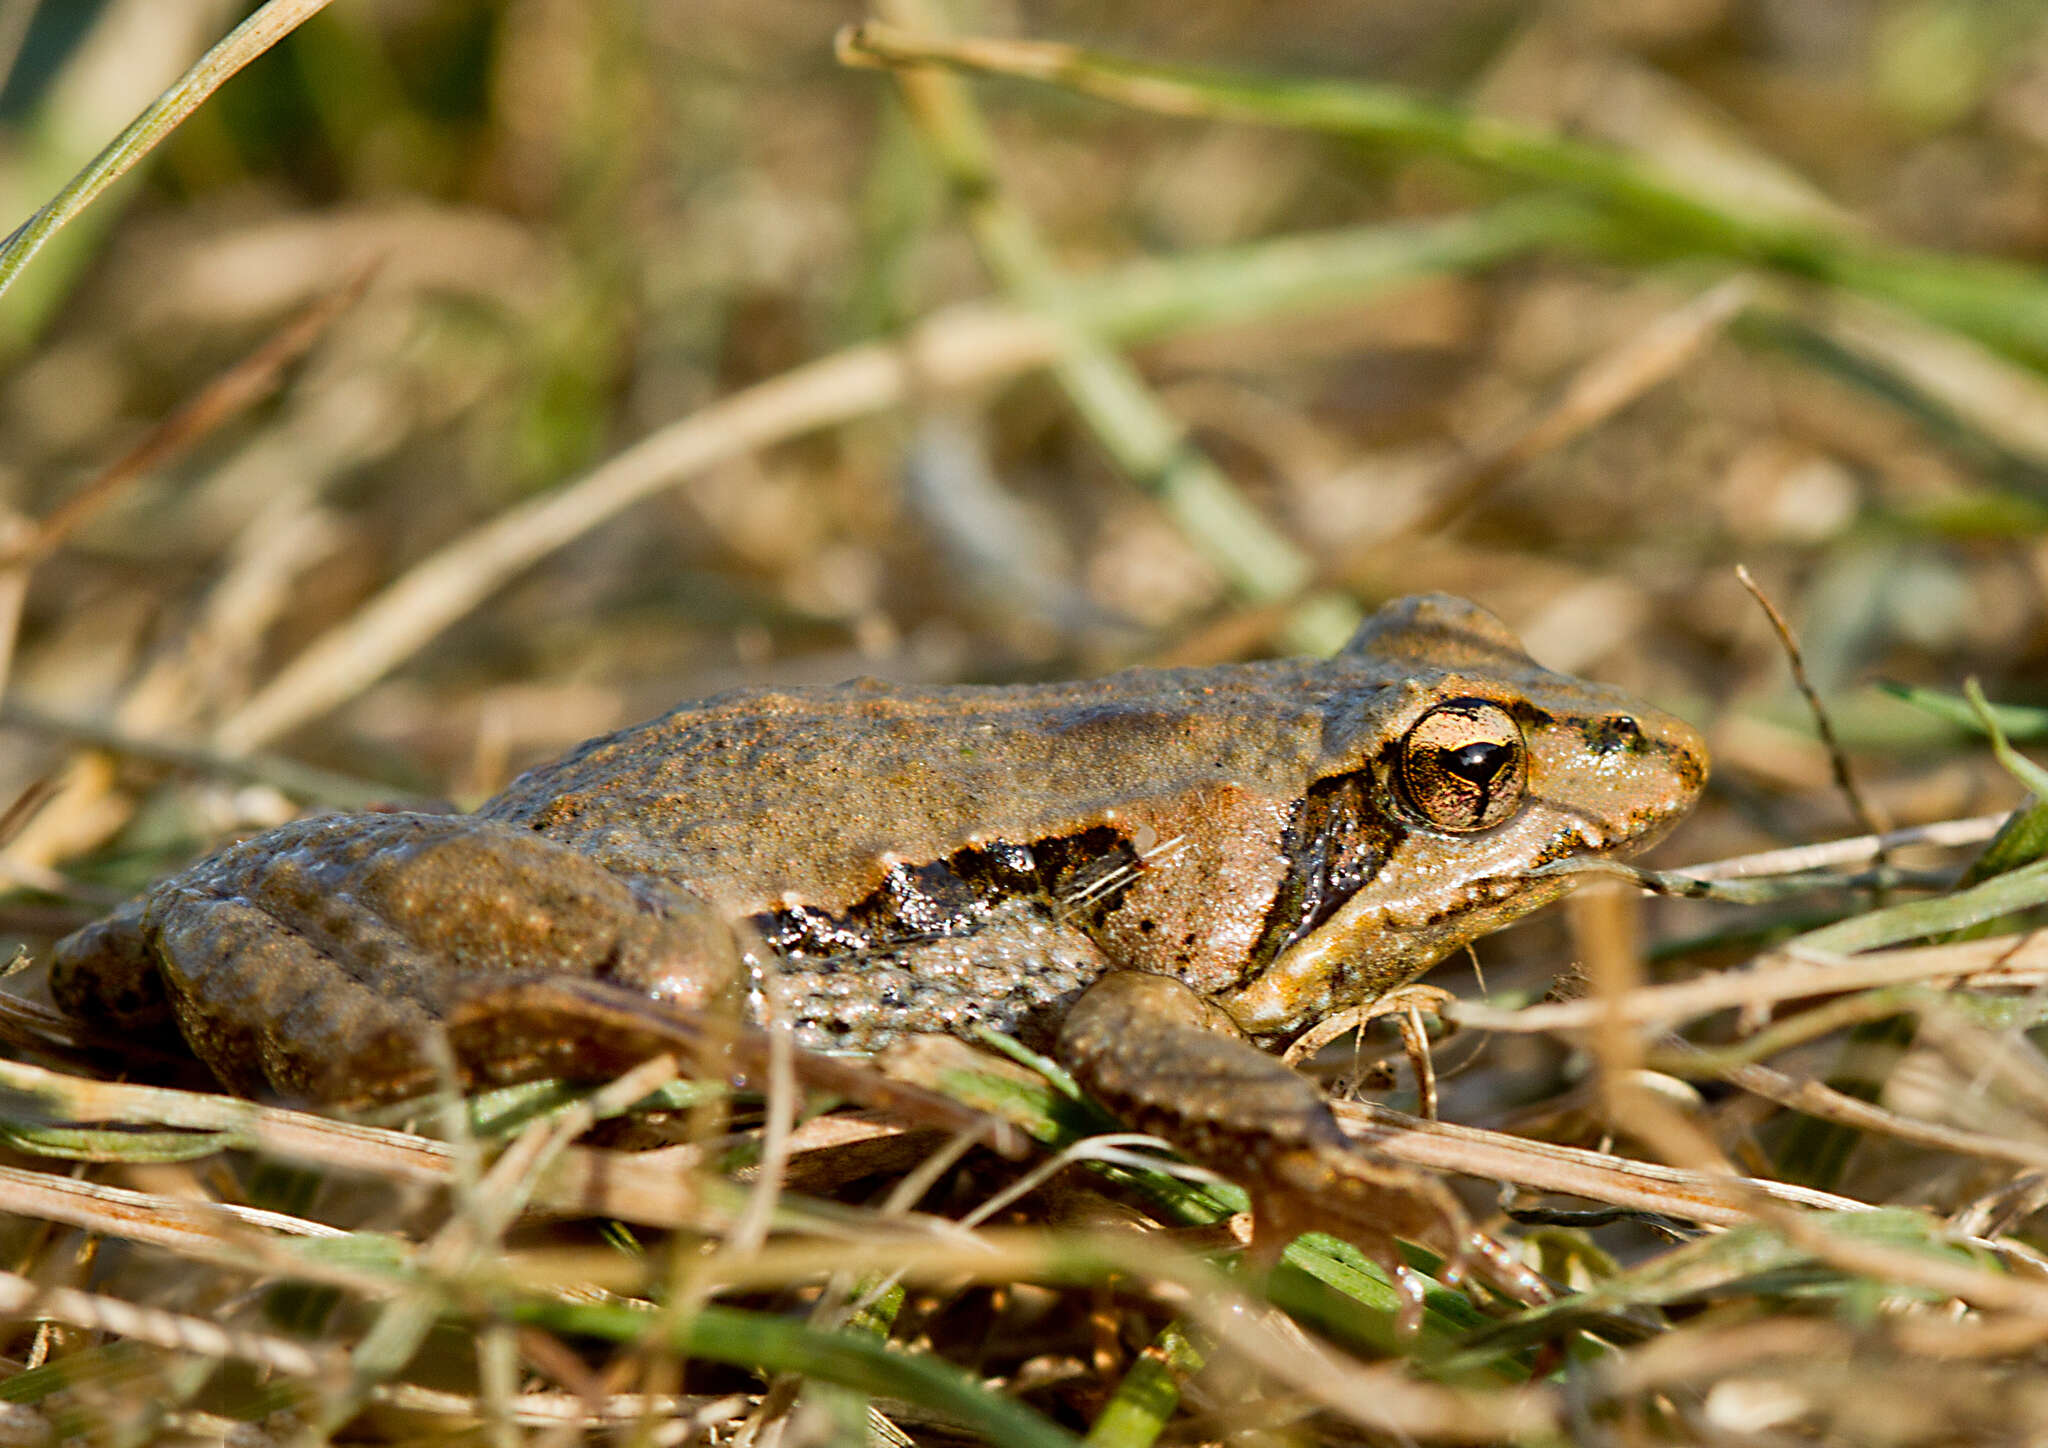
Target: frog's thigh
{"type": "Point", "coordinates": [314, 960]}
{"type": "Point", "coordinates": [105, 974]}
{"type": "Point", "coordinates": [270, 1011]}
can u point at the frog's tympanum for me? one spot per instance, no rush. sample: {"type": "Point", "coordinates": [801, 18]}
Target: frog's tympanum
{"type": "Point", "coordinates": [1153, 874]}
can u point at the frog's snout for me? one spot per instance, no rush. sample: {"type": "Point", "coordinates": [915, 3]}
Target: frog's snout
{"type": "Point", "coordinates": [1619, 777]}
{"type": "Point", "coordinates": [1686, 751]}
{"type": "Point", "coordinates": [1672, 770]}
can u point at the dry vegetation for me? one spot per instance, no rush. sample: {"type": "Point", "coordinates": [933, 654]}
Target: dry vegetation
{"type": "Point", "coordinates": [470, 376]}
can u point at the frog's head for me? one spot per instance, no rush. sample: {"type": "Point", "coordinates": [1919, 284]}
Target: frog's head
{"type": "Point", "coordinates": [1455, 768]}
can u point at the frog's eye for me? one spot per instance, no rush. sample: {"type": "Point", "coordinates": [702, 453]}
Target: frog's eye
{"type": "Point", "coordinates": [1464, 765]}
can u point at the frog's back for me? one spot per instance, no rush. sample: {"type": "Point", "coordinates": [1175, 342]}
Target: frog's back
{"type": "Point", "coordinates": [761, 797]}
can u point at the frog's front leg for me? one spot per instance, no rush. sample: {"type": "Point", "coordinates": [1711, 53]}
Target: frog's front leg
{"type": "Point", "coordinates": [1171, 1063]}
{"type": "Point", "coordinates": [316, 961]}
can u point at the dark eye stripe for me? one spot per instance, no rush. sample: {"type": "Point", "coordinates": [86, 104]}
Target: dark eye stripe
{"type": "Point", "coordinates": [1335, 843]}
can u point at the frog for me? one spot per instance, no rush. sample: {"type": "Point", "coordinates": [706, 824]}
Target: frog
{"type": "Point", "coordinates": [1160, 877]}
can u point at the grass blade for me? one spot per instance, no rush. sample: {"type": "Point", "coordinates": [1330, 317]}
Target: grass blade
{"type": "Point", "coordinates": [1999, 303]}
{"type": "Point", "coordinates": [243, 44]}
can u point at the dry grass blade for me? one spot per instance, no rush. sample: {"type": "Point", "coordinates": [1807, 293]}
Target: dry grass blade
{"type": "Point", "coordinates": [651, 1188]}
{"type": "Point", "coordinates": [1816, 1099]}
{"type": "Point", "coordinates": [692, 1415]}
{"type": "Point", "coordinates": [1710, 1198]}
{"type": "Point", "coordinates": [21, 1298]}
{"type": "Point", "coordinates": [294, 1135]}
{"type": "Point", "coordinates": [2002, 960]}
{"type": "Point", "coordinates": [1983, 1287]}
{"type": "Point", "coordinates": [217, 1232]}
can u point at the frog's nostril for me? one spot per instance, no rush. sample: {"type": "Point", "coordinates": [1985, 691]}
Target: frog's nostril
{"type": "Point", "coordinates": [1614, 734]}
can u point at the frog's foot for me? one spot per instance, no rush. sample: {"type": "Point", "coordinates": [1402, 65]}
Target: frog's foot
{"type": "Point", "coordinates": [1406, 1004]}
{"type": "Point", "coordinates": [1370, 1200]}
{"type": "Point", "coordinates": [1170, 1063]}
{"type": "Point", "coordinates": [105, 976]}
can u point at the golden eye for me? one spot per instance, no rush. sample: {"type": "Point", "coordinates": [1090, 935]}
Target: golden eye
{"type": "Point", "coordinates": [1464, 766]}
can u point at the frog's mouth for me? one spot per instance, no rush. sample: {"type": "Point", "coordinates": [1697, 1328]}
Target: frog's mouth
{"type": "Point", "coordinates": [1371, 944]}
{"type": "Point", "coordinates": [1371, 903]}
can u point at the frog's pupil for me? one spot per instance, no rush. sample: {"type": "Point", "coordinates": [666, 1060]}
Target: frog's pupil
{"type": "Point", "coordinates": [1479, 763]}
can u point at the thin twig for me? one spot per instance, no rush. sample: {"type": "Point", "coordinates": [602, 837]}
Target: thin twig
{"type": "Point", "coordinates": [234, 391]}
{"type": "Point", "coordinates": [1866, 815]}
{"type": "Point", "coordinates": [1779, 976]}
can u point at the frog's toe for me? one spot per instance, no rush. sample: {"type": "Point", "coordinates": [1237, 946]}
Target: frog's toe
{"type": "Point", "coordinates": [1508, 1275]}
{"type": "Point", "coordinates": [1369, 1201]}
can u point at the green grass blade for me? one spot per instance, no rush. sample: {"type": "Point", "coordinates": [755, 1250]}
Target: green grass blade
{"type": "Point", "coordinates": [1999, 303]}
{"type": "Point", "coordinates": [2015, 721]}
{"type": "Point", "coordinates": [1137, 1412]}
{"type": "Point", "coordinates": [2016, 890]}
{"type": "Point", "coordinates": [774, 1344]}
{"type": "Point", "coordinates": [243, 44]}
{"type": "Point", "coordinates": [2016, 764]}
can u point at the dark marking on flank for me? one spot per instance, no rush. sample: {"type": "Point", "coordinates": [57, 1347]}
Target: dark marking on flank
{"type": "Point", "coordinates": [1079, 877]}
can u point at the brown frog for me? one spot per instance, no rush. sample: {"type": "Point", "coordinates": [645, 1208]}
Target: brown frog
{"type": "Point", "coordinates": [1152, 874]}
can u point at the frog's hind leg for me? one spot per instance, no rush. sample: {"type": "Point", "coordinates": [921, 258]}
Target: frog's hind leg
{"type": "Point", "coordinates": [1168, 1062]}
{"type": "Point", "coordinates": [315, 962]}
{"type": "Point", "coordinates": [322, 961]}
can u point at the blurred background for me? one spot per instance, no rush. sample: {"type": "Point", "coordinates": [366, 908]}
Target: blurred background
{"type": "Point", "coordinates": [586, 223]}
{"type": "Point", "coordinates": [468, 377]}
